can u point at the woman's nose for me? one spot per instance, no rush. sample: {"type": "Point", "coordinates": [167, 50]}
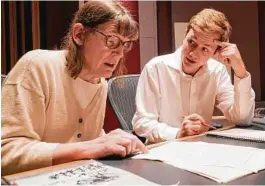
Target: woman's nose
{"type": "Point", "coordinates": [119, 51]}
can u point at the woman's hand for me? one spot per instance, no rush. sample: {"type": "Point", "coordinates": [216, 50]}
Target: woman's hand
{"type": "Point", "coordinates": [117, 142]}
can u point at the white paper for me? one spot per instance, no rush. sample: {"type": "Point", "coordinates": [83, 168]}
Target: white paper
{"type": "Point", "coordinates": [92, 173]}
{"type": "Point", "coordinates": [222, 163]}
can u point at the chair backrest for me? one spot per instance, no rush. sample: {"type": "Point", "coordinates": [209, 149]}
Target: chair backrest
{"type": "Point", "coordinates": [3, 78]}
{"type": "Point", "coordinates": [121, 94]}
{"type": "Point", "coordinates": [260, 104]}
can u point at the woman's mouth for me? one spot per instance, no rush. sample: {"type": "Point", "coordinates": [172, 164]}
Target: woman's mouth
{"type": "Point", "coordinates": [110, 65]}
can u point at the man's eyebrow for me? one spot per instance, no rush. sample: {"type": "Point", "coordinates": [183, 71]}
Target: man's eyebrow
{"type": "Point", "coordinates": [208, 45]}
{"type": "Point", "coordinates": [192, 38]}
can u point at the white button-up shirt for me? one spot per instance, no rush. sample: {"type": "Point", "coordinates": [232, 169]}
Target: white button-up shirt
{"type": "Point", "coordinates": [165, 94]}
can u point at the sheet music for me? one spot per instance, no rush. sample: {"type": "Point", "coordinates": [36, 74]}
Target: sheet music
{"type": "Point", "coordinates": [91, 173]}
{"type": "Point", "coordinates": [222, 163]}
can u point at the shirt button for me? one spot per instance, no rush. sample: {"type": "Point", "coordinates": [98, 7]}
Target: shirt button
{"type": "Point", "coordinates": [79, 135]}
{"type": "Point", "coordinates": [80, 120]}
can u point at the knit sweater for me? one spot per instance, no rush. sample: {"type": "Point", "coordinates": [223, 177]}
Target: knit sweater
{"type": "Point", "coordinates": [43, 106]}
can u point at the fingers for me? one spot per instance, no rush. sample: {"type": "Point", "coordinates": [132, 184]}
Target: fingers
{"type": "Point", "coordinates": [194, 117]}
{"type": "Point", "coordinates": [136, 144]}
{"type": "Point", "coordinates": [126, 143]}
{"type": "Point", "coordinates": [115, 149]}
{"type": "Point", "coordinates": [221, 44]}
{"type": "Point", "coordinates": [192, 127]}
{"type": "Point", "coordinates": [226, 52]}
{"type": "Point", "coordinates": [127, 140]}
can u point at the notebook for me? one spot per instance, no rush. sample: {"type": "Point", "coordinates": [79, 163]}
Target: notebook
{"type": "Point", "coordinates": [240, 134]}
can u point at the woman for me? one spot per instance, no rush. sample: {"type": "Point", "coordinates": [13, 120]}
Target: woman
{"type": "Point", "coordinates": [53, 102]}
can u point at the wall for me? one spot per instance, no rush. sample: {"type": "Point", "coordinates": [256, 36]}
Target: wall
{"type": "Point", "coordinates": [148, 31]}
{"type": "Point", "coordinates": [261, 11]}
{"type": "Point", "coordinates": [243, 17]}
{"type": "Point", "coordinates": [28, 25]}
{"type": "Point", "coordinates": [55, 21]}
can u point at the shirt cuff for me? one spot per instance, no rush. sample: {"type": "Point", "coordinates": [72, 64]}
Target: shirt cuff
{"type": "Point", "coordinates": [244, 85]}
{"type": "Point", "coordinates": [171, 133]}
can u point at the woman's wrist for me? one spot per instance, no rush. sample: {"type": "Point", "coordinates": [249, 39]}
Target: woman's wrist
{"type": "Point", "coordinates": [66, 153]}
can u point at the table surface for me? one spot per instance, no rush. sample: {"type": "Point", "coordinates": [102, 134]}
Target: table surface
{"type": "Point", "coordinates": [164, 174]}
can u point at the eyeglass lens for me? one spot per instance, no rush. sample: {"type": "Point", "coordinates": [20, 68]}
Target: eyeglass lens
{"type": "Point", "coordinates": [114, 42]}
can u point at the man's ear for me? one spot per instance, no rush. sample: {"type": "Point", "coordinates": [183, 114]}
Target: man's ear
{"type": "Point", "coordinates": [78, 33]}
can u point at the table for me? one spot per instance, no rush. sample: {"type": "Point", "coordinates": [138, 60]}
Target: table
{"type": "Point", "coordinates": [164, 174]}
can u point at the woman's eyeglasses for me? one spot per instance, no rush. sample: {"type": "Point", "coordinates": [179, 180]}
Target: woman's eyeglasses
{"type": "Point", "coordinates": [114, 42]}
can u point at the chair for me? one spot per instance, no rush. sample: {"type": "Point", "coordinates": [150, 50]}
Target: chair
{"type": "Point", "coordinates": [3, 78]}
{"type": "Point", "coordinates": [121, 94]}
{"type": "Point", "coordinates": [260, 104]}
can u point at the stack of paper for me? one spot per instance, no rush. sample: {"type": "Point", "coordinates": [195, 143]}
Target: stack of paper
{"type": "Point", "coordinates": [222, 163]}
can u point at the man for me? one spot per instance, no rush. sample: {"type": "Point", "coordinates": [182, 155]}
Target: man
{"type": "Point", "coordinates": [177, 93]}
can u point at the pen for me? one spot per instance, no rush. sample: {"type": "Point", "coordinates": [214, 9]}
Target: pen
{"type": "Point", "coordinates": [208, 125]}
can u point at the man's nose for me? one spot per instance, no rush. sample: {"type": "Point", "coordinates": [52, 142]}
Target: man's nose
{"type": "Point", "coordinates": [193, 52]}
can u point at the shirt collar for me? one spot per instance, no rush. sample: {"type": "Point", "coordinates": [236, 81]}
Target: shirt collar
{"type": "Point", "coordinates": [175, 62]}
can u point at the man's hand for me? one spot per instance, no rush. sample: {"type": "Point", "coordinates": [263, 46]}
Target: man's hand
{"type": "Point", "coordinates": [117, 142]}
{"type": "Point", "coordinates": [229, 54]}
{"type": "Point", "coordinates": [192, 125]}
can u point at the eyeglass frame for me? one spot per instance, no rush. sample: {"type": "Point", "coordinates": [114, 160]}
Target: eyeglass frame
{"type": "Point", "coordinates": [109, 36]}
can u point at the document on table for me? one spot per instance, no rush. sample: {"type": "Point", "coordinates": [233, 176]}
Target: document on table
{"type": "Point", "coordinates": [91, 173]}
{"type": "Point", "coordinates": [219, 162]}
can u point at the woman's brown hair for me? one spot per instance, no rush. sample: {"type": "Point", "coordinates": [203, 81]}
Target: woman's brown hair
{"type": "Point", "coordinates": [91, 15]}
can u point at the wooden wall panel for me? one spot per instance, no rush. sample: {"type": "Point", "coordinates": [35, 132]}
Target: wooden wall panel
{"type": "Point", "coordinates": [13, 33]}
{"type": "Point", "coordinates": [22, 28]}
{"type": "Point", "coordinates": [55, 21]}
{"type": "Point", "coordinates": [261, 13]}
{"type": "Point", "coordinates": [164, 27]}
{"type": "Point", "coordinates": [3, 39]}
{"type": "Point", "coordinates": [36, 24]}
